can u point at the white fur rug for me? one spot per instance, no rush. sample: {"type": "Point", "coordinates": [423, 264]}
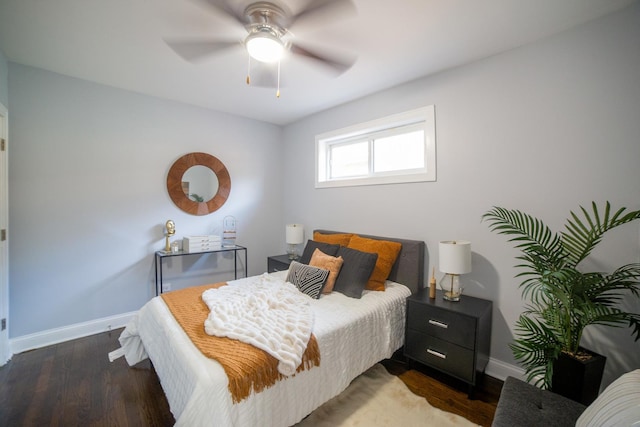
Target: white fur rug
{"type": "Point", "coordinates": [377, 398]}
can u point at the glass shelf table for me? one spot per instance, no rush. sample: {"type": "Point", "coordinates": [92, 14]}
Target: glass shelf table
{"type": "Point", "coordinates": [161, 255]}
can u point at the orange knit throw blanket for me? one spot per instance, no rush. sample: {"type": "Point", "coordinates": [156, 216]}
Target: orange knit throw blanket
{"type": "Point", "coordinates": [247, 367]}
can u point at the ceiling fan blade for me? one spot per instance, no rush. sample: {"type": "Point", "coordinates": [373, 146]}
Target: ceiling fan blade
{"type": "Point", "coordinates": [337, 62]}
{"type": "Point", "coordinates": [194, 50]}
{"type": "Point", "coordinates": [224, 6]}
{"type": "Point", "coordinates": [320, 11]}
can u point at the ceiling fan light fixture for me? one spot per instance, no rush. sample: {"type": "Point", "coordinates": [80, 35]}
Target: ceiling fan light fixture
{"type": "Point", "coordinates": [264, 46]}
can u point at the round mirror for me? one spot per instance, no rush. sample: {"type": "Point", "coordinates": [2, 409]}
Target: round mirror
{"type": "Point", "coordinates": [198, 183]}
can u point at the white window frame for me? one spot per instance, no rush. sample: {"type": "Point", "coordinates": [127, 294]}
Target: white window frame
{"type": "Point", "coordinates": [421, 118]}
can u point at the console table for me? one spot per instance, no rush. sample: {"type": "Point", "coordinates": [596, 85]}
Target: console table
{"type": "Point", "coordinates": [161, 255]}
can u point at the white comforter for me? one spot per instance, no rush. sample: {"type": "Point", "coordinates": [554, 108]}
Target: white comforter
{"type": "Point", "coordinates": [352, 336]}
{"type": "Point", "coordinates": [266, 312]}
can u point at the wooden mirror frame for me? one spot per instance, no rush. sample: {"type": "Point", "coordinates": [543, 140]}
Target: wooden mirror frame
{"type": "Point", "coordinates": [174, 183]}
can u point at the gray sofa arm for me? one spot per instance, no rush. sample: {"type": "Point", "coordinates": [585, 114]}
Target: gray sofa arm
{"type": "Point", "coordinates": [524, 405]}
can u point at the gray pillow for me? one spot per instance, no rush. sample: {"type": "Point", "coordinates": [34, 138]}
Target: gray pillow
{"type": "Point", "coordinates": [312, 245]}
{"type": "Point", "coordinates": [355, 272]}
{"type": "Point", "coordinates": [309, 280]}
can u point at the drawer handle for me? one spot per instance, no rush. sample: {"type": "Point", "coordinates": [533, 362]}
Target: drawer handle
{"type": "Point", "coordinates": [438, 324]}
{"type": "Point", "coordinates": [437, 353]}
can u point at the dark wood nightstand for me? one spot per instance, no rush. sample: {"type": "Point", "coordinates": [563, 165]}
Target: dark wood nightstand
{"type": "Point", "coordinates": [278, 263]}
{"type": "Point", "coordinates": [452, 337]}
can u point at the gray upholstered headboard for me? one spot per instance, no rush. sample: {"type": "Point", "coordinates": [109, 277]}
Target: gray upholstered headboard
{"type": "Point", "coordinates": [409, 267]}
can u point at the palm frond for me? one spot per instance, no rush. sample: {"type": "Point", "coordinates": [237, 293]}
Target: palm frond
{"type": "Point", "coordinates": [535, 348]}
{"type": "Point", "coordinates": [579, 240]}
{"type": "Point", "coordinates": [533, 237]}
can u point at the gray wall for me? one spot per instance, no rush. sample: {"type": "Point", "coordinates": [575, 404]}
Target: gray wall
{"type": "Point", "coordinates": [4, 80]}
{"type": "Point", "coordinates": [543, 128]}
{"type": "Point", "coordinates": [88, 199]}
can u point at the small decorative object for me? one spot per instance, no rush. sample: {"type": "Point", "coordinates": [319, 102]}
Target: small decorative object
{"type": "Point", "coordinates": [294, 236]}
{"type": "Point", "coordinates": [432, 284]}
{"type": "Point", "coordinates": [455, 259]}
{"type": "Point", "coordinates": [170, 231]}
{"type": "Point", "coordinates": [228, 231]}
{"type": "Point", "coordinates": [175, 247]}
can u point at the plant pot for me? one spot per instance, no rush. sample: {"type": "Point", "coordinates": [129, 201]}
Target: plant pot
{"type": "Point", "coordinates": [578, 379]}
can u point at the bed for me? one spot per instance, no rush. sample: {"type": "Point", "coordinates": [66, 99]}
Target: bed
{"type": "Point", "coordinates": [352, 335]}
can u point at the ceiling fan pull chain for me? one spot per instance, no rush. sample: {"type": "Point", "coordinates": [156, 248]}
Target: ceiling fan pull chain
{"type": "Point", "coordinates": [278, 91]}
{"type": "Point", "coordinates": [249, 71]}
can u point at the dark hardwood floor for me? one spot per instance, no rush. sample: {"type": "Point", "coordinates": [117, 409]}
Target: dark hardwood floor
{"type": "Point", "coordinates": [74, 384]}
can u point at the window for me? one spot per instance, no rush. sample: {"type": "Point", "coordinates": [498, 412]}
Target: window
{"type": "Point", "coordinates": [395, 149]}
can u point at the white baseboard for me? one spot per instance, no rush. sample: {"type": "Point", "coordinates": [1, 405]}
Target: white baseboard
{"type": "Point", "coordinates": [5, 349]}
{"type": "Point", "coordinates": [67, 333]}
{"type": "Point", "coordinates": [501, 370]}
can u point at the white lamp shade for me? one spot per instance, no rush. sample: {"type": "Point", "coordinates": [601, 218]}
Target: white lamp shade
{"type": "Point", "coordinates": [295, 234]}
{"type": "Point", "coordinates": [455, 256]}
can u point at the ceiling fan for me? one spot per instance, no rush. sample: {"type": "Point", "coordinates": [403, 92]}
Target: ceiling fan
{"type": "Point", "coordinates": [269, 37]}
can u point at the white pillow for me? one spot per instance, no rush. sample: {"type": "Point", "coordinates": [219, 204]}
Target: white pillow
{"type": "Point", "coordinates": [618, 405]}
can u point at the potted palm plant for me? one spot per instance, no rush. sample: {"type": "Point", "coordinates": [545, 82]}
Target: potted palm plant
{"type": "Point", "coordinates": [562, 300]}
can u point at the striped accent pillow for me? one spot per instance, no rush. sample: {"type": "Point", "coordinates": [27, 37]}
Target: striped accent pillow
{"type": "Point", "coordinates": [618, 405]}
{"type": "Point", "coordinates": [309, 280]}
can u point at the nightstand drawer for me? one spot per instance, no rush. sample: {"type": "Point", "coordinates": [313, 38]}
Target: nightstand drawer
{"type": "Point", "coordinates": [443, 355]}
{"type": "Point", "coordinates": [443, 324]}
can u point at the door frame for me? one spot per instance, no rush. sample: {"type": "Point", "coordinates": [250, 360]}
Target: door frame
{"type": "Point", "coordinates": [5, 352]}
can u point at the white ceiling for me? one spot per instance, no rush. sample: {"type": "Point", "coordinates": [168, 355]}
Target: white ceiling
{"type": "Point", "coordinates": [120, 43]}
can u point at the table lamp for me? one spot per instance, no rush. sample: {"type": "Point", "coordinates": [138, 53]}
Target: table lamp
{"type": "Point", "coordinates": [455, 259]}
{"type": "Point", "coordinates": [295, 236]}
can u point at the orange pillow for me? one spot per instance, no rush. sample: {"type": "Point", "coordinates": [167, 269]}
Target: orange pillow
{"type": "Point", "coordinates": [341, 239]}
{"type": "Point", "coordinates": [387, 254]}
{"type": "Point", "coordinates": [327, 262]}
